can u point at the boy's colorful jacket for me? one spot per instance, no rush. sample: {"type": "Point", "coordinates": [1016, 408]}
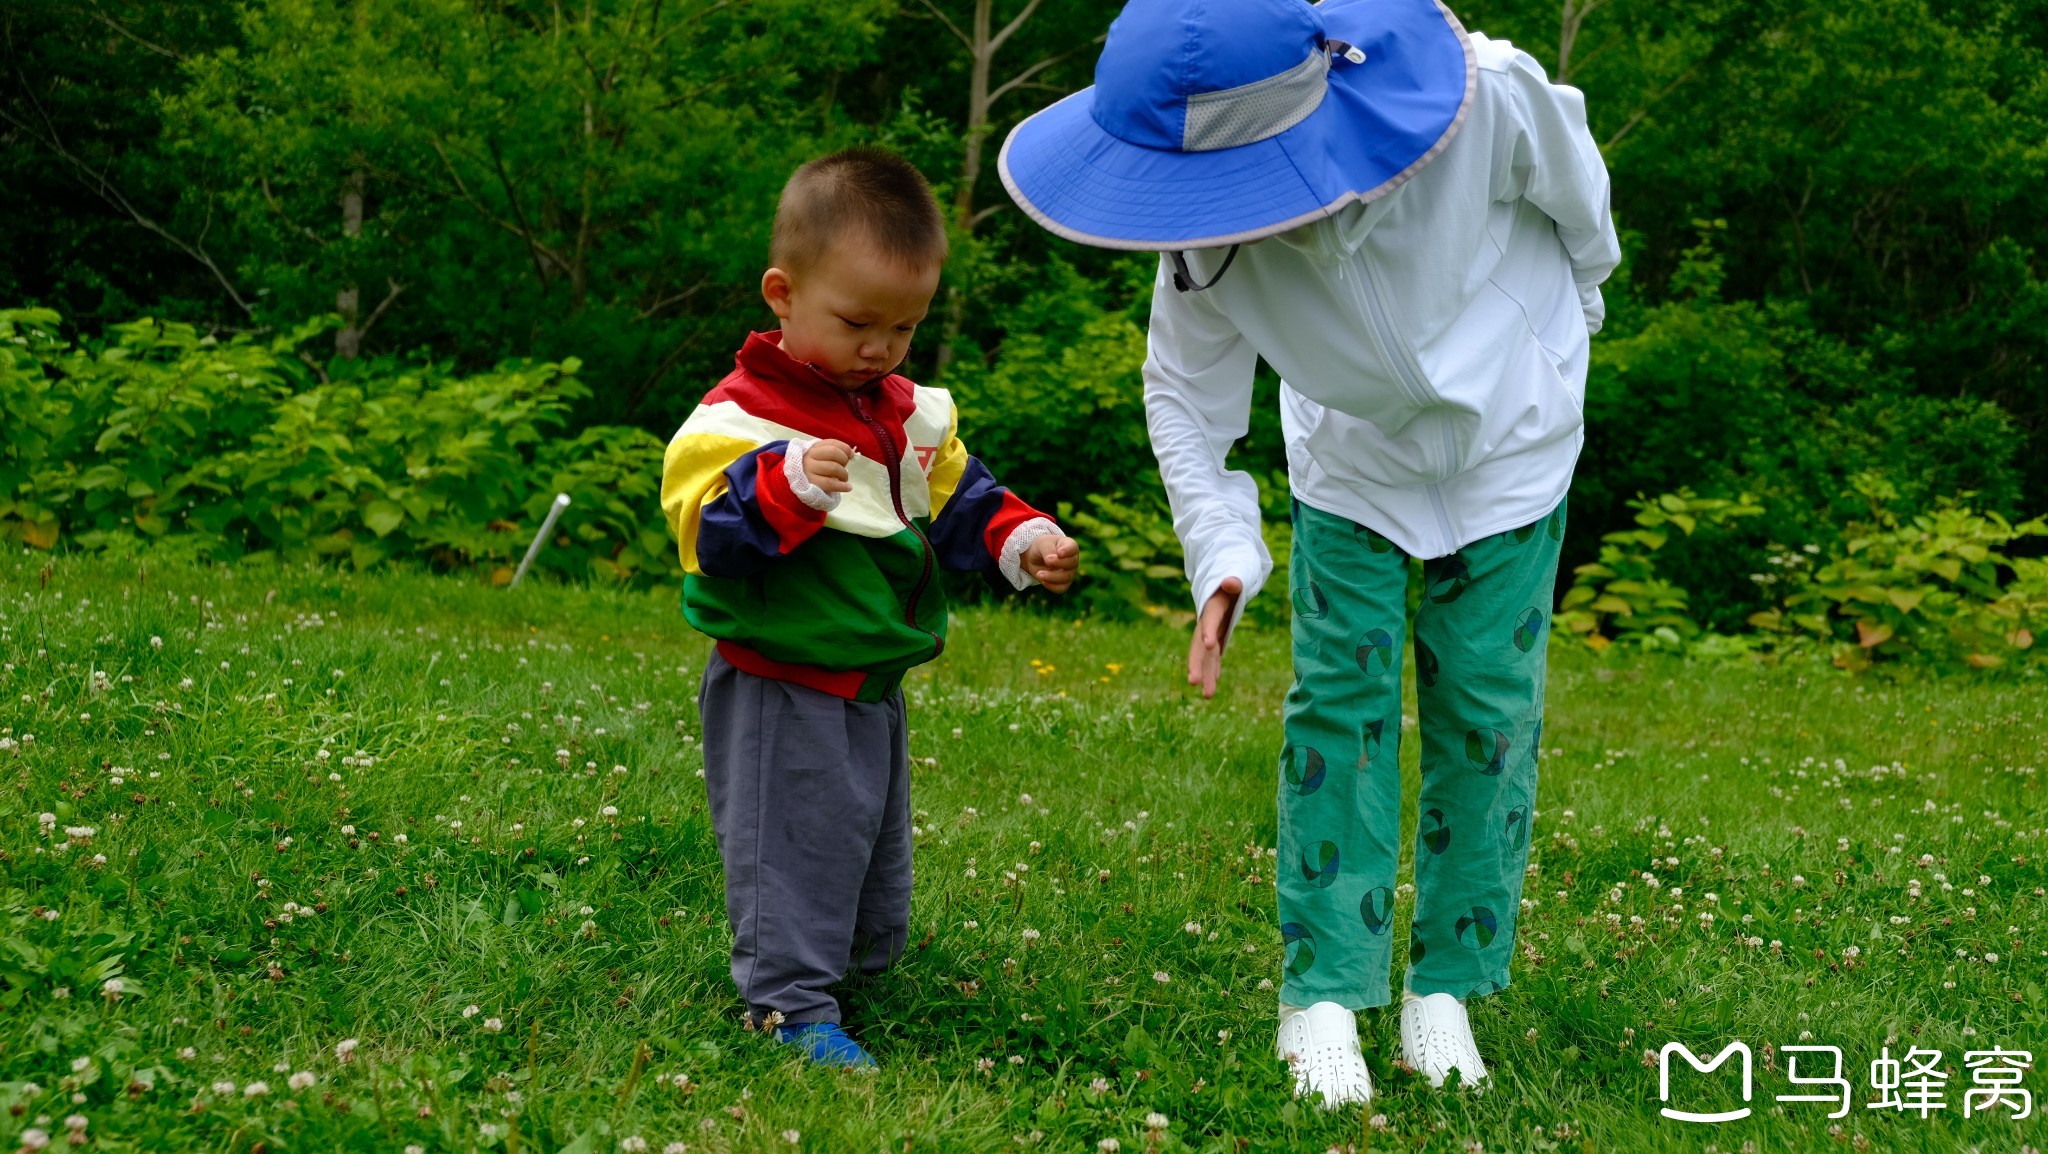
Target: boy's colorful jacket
{"type": "Point", "coordinates": [835, 591]}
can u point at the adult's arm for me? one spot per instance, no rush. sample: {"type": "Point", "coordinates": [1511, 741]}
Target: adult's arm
{"type": "Point", "coordinates": [1548, 156]}
{"type": "Point", "coordinates": [1198, 396]}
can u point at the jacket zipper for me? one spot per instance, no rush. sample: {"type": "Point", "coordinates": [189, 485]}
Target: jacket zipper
{"type": "Point", "coordinates": [894, 460]}
{"type": "Point", "coordinates": [1418, 390]}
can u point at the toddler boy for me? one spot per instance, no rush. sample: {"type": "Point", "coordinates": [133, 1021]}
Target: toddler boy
{"type": "Point", "coordinates": [814, 495]}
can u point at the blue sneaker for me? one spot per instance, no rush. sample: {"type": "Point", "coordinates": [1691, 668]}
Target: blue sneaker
{"type": "Point", "coordinates": [826, 1044]}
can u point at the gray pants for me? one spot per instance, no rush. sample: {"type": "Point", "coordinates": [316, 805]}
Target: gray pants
{"type": "Point", "coordinates": [810, 799]}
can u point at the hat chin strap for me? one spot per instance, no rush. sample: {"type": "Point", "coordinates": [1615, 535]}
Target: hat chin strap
{"type": "Point", "coordinates": [1184, 281]}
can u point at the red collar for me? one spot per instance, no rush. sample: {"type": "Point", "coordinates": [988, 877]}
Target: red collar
{"type": "Point", "coordinates": [764, 359]}
{"type": "Point", "coordinates": [770, 383]}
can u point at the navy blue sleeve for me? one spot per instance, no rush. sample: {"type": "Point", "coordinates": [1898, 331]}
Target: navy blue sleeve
{"type": "Point", "coordinates": [972, 526]}
{"type": "Point", "coordinates": [757, 519]}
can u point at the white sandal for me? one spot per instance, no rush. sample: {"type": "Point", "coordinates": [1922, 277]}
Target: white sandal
{"type": "Point", "coordinates": [1320, 1044]}
{"type": "Point", "coordinates": [1436, 1038]}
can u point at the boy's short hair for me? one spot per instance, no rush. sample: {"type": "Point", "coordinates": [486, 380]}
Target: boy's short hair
{"type": "Point", "coordinates": [866, 190]}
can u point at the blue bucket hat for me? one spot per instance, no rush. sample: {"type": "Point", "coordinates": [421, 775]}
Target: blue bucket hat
{"type": "Point", "coordinates": [1221, 122]}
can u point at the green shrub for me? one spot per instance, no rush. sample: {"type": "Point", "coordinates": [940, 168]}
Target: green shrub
{"type": "Point", "coordinates": [1730, 396]}
{"type": "Point", "coordinates": [1935, 587]}
{"type": "Point", "coordinates": [1059, 412]}
{"type": "Point", "coordinates": [232, 449]}
{"type": "Point", "coordinates": [1622, 597]}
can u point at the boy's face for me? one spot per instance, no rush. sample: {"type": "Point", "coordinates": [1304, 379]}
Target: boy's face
{"type": "Point", "coordinates": [852, 312]}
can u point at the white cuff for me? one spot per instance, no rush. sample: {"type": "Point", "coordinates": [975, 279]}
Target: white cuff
{"type": "Point", "coordinates": [1250, 566]}
{"type": "Point", "coordinates": [800, 481]}
{"type": "Point", "coordinates": [1593, 305]}
{"type": "Point", "coordinates": [1012, 560]}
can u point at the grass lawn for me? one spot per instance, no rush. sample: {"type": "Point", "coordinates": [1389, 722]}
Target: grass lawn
{"type": "Point", "coordinates": [430, 863]}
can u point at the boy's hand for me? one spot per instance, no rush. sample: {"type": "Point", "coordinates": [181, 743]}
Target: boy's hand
{"type": "Point", "coordinates": [825, 465]}
{"type": "Point", "coordinates": [1054, 560]}
{"type": "Point", "coordinates": [1212, 633]}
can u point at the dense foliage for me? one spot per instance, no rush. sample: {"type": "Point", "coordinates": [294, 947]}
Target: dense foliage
{"type": "Point", "coordinates": [232, 449]}
{"type": "Point", "coordinates": [1834, 218]}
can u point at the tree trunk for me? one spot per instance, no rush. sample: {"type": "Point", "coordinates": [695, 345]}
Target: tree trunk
{"type": "Point", "coordinates": [981, 54]}
{"type": "Point", "coordinates": [348, 341]}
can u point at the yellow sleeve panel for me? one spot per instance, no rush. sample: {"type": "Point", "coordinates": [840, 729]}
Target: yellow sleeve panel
{"type": "Point", "coordinates": [693, 476]}
{"type": "Point", "coordinates": [949, 464]}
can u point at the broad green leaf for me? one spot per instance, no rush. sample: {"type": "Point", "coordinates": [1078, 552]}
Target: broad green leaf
{"type": "Point", "coordinates": [382, 517]}
{"type": "Point", "coordinates": [1906, 600]}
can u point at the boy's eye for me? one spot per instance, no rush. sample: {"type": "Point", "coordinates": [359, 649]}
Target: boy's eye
{"type": "Point", "coordinates": [854, 324]}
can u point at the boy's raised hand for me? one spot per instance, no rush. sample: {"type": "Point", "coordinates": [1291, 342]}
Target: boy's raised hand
{"type": "Point", "coordinates": [825, 464]}
{"type": "Point", "coordinates": [1054, 560]}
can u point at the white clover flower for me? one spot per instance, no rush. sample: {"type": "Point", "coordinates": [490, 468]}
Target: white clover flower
{"type": "Point", "coordinates": [1161, 976]}
{"type": "Point", "coordinates": [633, 1144]}
{"type": "Point", "coordinates": [223, 1087]}
{"type": "Point", "coordinates": [34, 1139]}
{"type": "Point", "coordinates": [302, 1080]}
{"type": "Point", "coordinates": [80, 1065]}
{"type": "Point", "coordinates": [255, 1089]}
{"type": "Point", "coordinates": [494, 1025]}
{"type": "Point", "coordinates": [1156, 1121]}
{"type": "Point", "coordinates": [345, 1050]}
{"type": "Point", "coordinates": [471, 1011]}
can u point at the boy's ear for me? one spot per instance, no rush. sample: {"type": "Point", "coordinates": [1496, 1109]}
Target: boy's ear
{"type": "Point", "coordinates": [775, 287]}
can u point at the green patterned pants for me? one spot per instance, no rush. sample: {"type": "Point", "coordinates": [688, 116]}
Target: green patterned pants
{"type": "Point", "coordinates": [1480, 636]}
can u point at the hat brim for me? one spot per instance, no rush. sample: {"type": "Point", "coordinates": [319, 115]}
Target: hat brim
{"type": "Point", "coordinates": [1379, 124]}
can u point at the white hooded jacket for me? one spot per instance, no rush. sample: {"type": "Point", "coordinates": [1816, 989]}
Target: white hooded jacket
{"type": "Point", "coordinates": [1432, 344]}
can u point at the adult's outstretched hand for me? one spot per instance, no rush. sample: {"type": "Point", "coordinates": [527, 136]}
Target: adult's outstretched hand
{"type": "Point", "coordinates": [1212, 633]}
